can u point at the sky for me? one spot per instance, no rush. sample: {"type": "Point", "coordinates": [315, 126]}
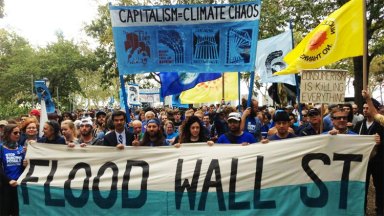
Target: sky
{"type": "Point", "coordinates": [39, 20]}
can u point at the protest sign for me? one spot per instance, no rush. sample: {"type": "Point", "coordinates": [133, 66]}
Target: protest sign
{"type": "Point", "coordinates": [316, 175]}
{"type": "Point", "coordinates": [186, 38]}
{"type": "Point", "coordinates": [323, 86]}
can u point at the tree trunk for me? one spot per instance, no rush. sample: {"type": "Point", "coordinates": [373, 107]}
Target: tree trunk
{"type": "Point", "coordinates": [358, 82]}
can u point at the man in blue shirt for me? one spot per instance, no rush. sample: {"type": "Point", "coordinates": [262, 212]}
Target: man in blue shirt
{"type": "Point", "coordinates": [235, 134]}
{"type": "Point", "coordinates": [282, 123]}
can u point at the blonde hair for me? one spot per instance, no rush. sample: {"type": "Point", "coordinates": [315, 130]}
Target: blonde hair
{"type": "Point", "coordinates": [71, 126]}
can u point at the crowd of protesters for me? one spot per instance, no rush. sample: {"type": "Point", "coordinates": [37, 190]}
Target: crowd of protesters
{"type": "Point", "coordinates": [220, 124]}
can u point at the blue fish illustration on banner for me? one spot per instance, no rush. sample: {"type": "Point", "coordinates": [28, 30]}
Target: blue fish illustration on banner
{"type": "Point", "coordinates": [186, 38]}
{"type": "Point", "coordinates": [175, 83]}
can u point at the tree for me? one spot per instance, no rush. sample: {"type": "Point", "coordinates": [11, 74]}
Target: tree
{"type": "Point", "coordinates": [59, 62]}
{"type": "Point", "coordinates": [1, 8]}
{"type": "Point", "coordinates": [17, 68]}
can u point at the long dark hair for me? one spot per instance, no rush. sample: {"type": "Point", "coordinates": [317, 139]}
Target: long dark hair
{"type": "Point", "coordinates": [7, 132]}
{"type": "Point", "coordinates": [185, 136]}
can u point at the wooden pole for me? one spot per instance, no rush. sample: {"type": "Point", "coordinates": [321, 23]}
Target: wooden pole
{"type": "Point", "coordinates": [365, 48]}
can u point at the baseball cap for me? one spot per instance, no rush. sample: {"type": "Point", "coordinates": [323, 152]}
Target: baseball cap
{"type": "Point", "coordinates": [3, 122]}
{"type": "Point", "coordinates": [313, 112]}
{"type": "Point", "coordinates": [289, 107]}
{"type": "Point", "coordinates": [86, 121]}
{"type": "Point", "coordinates": [235, 116]}
{"type": "Point", "coordinates": [35, 112]}
{"type": "Point", "coordinates": [280, 115]}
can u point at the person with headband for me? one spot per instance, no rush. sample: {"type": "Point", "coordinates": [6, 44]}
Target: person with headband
{"type": "Point", "coordinates": [153, 136]}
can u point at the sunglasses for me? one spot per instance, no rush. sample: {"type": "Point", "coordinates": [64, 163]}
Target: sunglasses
{"type": "Point", "coordinates": [16, 133]}
{"type": "Point", "coordinates": [340, 117]}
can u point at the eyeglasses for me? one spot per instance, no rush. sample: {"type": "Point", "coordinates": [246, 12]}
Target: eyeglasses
{"type": "Point", "coordinates": [16, 133]}
{"type": "Point", "coordinates": [340, 117]}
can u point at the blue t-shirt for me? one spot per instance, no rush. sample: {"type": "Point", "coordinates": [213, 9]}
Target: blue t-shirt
{"type": "Point", "coordinates": [12, 161]}
{"type": "Point", "coordinates": [327, 121]}
{"type": "Point", "coordinates": [253, 126]}
{"type": "Point", "coordinates": [245, 137]}
{"type": "Point", "coordinates": [275, 137]}
{"type": "Point", "coordinates": [171, 136]}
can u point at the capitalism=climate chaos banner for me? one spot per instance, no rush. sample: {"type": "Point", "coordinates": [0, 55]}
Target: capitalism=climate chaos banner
{"type": "Point", "coordinates": [186, 38]}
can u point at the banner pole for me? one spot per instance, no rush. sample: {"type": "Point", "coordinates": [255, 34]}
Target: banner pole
{"type": "Point", "coordinates": [296, 76]}
{"type": "Point", "coordinates": [238, 89]}
{"type": "Point", "coordinates": [222, 86]}
{"type": "Point", "coordinates": [250, 92]}
{"type": "Point", "coordinates": [365, 48]}
{"type": "Point", "coordinates": [123, 91]}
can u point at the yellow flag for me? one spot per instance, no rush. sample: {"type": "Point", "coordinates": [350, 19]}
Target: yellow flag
{"type": "Point", "coordinates": [211, 91]}
{"type": "Point", "coordinates": [339, 36]}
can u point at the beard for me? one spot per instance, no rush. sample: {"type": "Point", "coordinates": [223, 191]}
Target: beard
{"type": "Point", "coordinates": [86, 133]}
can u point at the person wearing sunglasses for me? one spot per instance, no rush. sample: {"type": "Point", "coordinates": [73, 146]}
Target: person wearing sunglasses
{"type": "Point", "coordinates": [12, 164]}
{"type": "Point", "coordinates": [313, 127]}
{"type": "Point", "coordinates": [339, 119]}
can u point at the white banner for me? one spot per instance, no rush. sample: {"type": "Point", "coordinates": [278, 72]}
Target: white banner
{"type": "Point", "coordinates": [313, 175]}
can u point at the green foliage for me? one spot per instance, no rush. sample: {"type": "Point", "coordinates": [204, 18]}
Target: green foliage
{"type": "Point", "coordinates": [9, 110]}
{"type": "Point", "coordinates": [59, 62]}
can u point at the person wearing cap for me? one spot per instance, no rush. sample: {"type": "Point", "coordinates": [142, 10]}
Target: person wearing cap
{"type": "Point", "coordinates": [86, 137]}
{"type": "Point", "coordinates": [368, 126]}
{"type": "Point", "coordinates": [100, 130]}
{"type": "Point", "coordinates": [119, 137]}
{"type": "Point", "coordinates": [35, 113]}
{"type": "Point", "coordinates": [51, 132]}
{"type": "Point", "coordinates": [235, 135]}
{"type": "Point", "coordinates": [282, 122]}
{"type": "Point", "coordinates": [313, 127]}
{"type": "Point", "coordinates": [153, 136]}
{"type": "Point", "coordinates": [3, 123]}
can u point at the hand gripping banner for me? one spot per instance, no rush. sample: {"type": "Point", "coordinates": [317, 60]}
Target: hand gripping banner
{"type": "Point", "coordinates": [316, 175]}
{"type": "Point", "coordinates": [186, 38]}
